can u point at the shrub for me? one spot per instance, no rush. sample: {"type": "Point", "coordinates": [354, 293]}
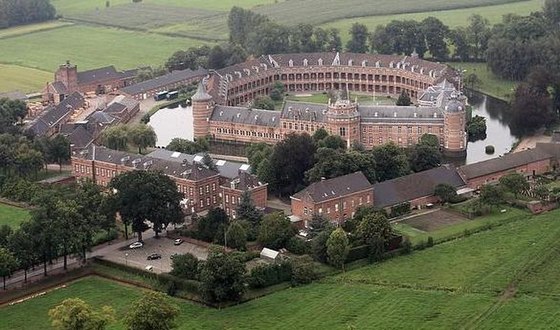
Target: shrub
{"type": "Point", "coordinates": [297, 246]}
{"type": "Point", "coordinates": [489, 149]}
{"type": "Point", "coordinates": [406, 246]}
{"type": "Point", "coordinates": [303, 271]}
{"type": "Point", "coordinates": [430, 241]}
{"type": "Point", "coordinates": [185, 266]}
{"type": "Point", "coordinates": [400, 209]}
{"type": "Point", "coordinates": [357, 253]}
{"type": "Point", "coordinates": [267, 275]}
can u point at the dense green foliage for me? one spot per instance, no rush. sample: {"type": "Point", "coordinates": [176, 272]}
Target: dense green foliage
{"type": "Point", "coordinates": [22, 12]}
{"type": "Point", "coordinates": [222, 277]}
{"type": "Point", "coordinates": [153, 311]}
{"type": "Point", "coordinates": [76, 314]}
{"type": "Point", "coordinates": [476, 128]}
{"type": "Point", "coordinates": [188, 147]}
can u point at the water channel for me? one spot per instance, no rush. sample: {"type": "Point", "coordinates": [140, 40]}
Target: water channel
{"type": "Point", "coordinates": [177, 122]}
{"type": "Point", "coordinates": [498, 132]}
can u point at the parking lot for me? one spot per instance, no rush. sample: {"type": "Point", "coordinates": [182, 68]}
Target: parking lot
{"type": "Point", "coordinates": [163, 246]}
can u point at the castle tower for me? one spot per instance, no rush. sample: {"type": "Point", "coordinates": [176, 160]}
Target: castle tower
{"type": "Point", "coordinates": [454, 136]}
{"type": "Point", "coordinates": [68, 75]}
{"type": "Point", "coordinates": [343, 119]}
{"type": "Point", "coordinates": [202, 109]}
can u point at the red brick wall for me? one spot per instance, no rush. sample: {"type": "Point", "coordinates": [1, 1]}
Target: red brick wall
{"type": "Point", "coordinates": [232, 197]}
{"type": "Point", "coordinates": [335, 209]}
{"type": "Point", "coordinates": [538, 167]}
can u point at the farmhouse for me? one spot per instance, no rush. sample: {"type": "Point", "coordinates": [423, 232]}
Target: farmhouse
{"type": "Point", "coordinates": [336, 198]}
{"type": "Point", "coordinates": [54, 117]}
{"type": "Point", "coordinates": [201, 187]}
{"type": "Point", "coordinates": [441, 109]}
{"type": "Point", "coordinates": [68, 80]}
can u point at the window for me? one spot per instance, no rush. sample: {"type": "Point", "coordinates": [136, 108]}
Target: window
{"type": "Point", "coordinates": [227, 198]}
{"type": "Point", "coordinates": [114, 173]}
{"type": "Point", "coordinates": [320, 210]}
{"type": "Point", "coordinates": [344, 205]}
{"type": "Point", "coordinates": [191, 191]}
{"type": "Point", "coordinates": [328, 210]}
{"type": "Point", "coordinates": [353, 204]}
{"type": "Point", "coordinates": [360, 200]}
{"type": "Point", "coordinates": [305, 210]}
{"type": "Point", "coordinates": [200, 190]}
{"type": "Point", "coordinates": [233, 200]}
{"type": "Point", "coordinates": [207, 201]}
{"type": "Point", "coordinates": [82, 168]}
{"type": "Point", "coordinates": [207, 188]}
{"type": "Point", "coordinates": [233, 213]}
{"type": "Point", "coordinates": [336, 207]}
{"type": "Point", "coordinates": [214, 199]}
{"type": "Point", "coordinates": [201, 203]}
{"type": "Point", "coordinates": [367, 200]}
{"type": "Point", "coordinates": [342, 131]}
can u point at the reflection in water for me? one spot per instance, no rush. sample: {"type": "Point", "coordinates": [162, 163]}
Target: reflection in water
{"type": "Point", "coordinates": [498, 131]}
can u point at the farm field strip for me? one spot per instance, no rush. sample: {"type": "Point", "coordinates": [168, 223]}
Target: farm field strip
{"type": "Point", "coordinates": [452, 18]}
{"type": "Point", "coordinates": [31, 28]}
{"type": "Point", "coordinates": [283, 12]}
{"type": "Point", "coordinates": [23, 79]}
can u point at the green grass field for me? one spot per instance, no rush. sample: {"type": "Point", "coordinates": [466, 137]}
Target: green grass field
{"type": "Point", "coordinates": [452, 18]}
{"type": "Point", "coordinates": [490, 83]}
{"type": "Point", "coordinates": [24, 79]}
{"type": "Point", "coordinates": [459, 284]}
{"type": "Point", "coordinates": [90, 47]}
{"type": "Point", "coordinates": [12, 216]}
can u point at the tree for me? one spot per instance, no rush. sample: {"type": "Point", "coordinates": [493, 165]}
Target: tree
{"type": "Point", "coordinates": [358, 39]}
{"type": "Point", "coordinates": [147, 196]}
{"type": "Point", "coordinates": [76, 314]}
{"type": "Point", "coordinates": [551, 10]}
{"type": "Point", "coordinates": [5, 234]}
{"type": "Point", "coordinates": [246, 210]}
{"type": "Point", "coordinates": [318, 224]}
{"type": "Point", "coordinates": [277, 91]}
{"type": "Point", "coordinates": [472, 81]}
{"type": "Point", "coordinates": [404, 99]}
{"type": "Point", "coordinates": [115, 137]}
{"type": "Point", "coordinates": [59, 150]}
{"type": "Point", "coordinates": [236, 236]}
{"type": "Point", "coordinates": [320, 134]}
{"type": "Point", "coordinates": [210, 226]}
{"type": "Point", "coordinates": [275, 231]}
{"type": "Point", "coordinates": [288, 162]}
{"type": "Point", "coordinates": [424, 157]}
{"type": "Point", "coordinates": [186, 146]}
{"type": "Point", "coordinates": [460, 43]}
{"type": "Point", "coordinates": [436, 32]}
{"type": "Point", "coordinates": [338, 248]}
{"type": "Point", "coordinates": [153, 311]}
{"type": "Point", "coordinates": [445, 192]}
{"type": "Point", "coordinates": [478, 33]}
{"type": "Point", "coordinates": [263, 102]}
{"type": "Point", "coordinates": [532, 108]}
{"type": "Point", "coordinates": [332, 142]}
{"type": "Point", "coordinates": [319, 245]}
{"type": "Point", "coordinates": [515, 183]}
{"type": "Point", "coordinates": [374, 225]}
{"type": "Point", "coordinates": [390, 162]}
{"type": "Point", "coordinates": [429, 140]}
{"type": "Point", "coordinates": [185, 266]}
{"type": "Point", "coordinates": [542, 193]}
{"type": "Point", "coordinates": [142, 136]}
{"type": "Point", "coordinates": [491, 195]}
{"type": "Point", "coordinates": [222, 277]}
{"type": "Point", "coordinates": [7, 264]}
{"type": "Point", "coordinates": [208, 162]}
{"type": "Point", "coordinates": [21, 243]}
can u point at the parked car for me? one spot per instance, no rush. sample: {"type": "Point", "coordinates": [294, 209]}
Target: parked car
{"type": "Point", "coordinates": [136, 245]}
{"type": "Point", "coordinates": [154, 256]}
{"type": "Point", "coordinates": [178, 241]}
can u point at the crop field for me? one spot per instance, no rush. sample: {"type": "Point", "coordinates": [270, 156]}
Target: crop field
{"type": "Point", "coordinates": [452, 18]}
{"type": "Point", "coordinates": [503, 278]}
{"type": "Point", "coordinates": [12, 216]}
{"type": "Point", "coordinates": [27, 80]}
{"type": "Point", "coordinates": [90, 47]}
{"type": "Point", "coordinates": [307, 12]}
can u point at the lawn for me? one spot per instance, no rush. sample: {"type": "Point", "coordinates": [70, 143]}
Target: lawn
{"type": "Point", "coordinates": [13, 216]}
{"type": "Point", "coordinates": [323, 98]}
{"type": "Point", "coordinates": [452, 18]}
{"type": "Point", "coordinates": [452, 285]}
{"type": "Point", "coordinates": [27, 80]}
{"type": "Point", "coordinates": [25, 29]}
{"type": "Point", "coordinates": [483, 262]}
{"type": "Point", "coordinates": [90, 47]}
{"type": "Point", "coordinates": [490, 83]}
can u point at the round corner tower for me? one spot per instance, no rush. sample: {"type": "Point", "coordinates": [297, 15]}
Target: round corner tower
{"type": "Point", "coordinates": [343, 119]}
{"type": "Point", "coordinates": [455, 136]}
{"type": "Point", "coordinates": [202, 109]}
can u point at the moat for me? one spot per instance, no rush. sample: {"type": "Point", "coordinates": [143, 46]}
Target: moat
{"type": "Point", "coordinates": [177, 122]}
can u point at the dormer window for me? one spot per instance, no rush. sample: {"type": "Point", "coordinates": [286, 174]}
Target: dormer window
{"type": "Point", "coordinates": [290, 63]}
{"type": "Point", "coordinates": [350, 62]}
{"type": "Point", "coordinates": [320, 61]}
{"type": "Point", "coordinates": [305, 62]}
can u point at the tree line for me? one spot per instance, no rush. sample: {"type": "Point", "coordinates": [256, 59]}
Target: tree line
{"type": "Point", "coordinates": [20, 12]}
{"type": "Point", "coordinates": [301, 159]}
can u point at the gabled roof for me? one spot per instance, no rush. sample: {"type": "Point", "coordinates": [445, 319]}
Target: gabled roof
{"type": "Point", "coordinates": [246, 116]}
{"type": "Point", "coordinates": [506, 162]}
{"type": "Point", "coordinates": [99, 74]}
{"type": "Point", "coordinates": [163, 81]}
{"type": "Point", "coordinates": [413, 186]}
{"type": "Point", "coordinates": [335, 188]}
{"type": "Point", "coordinates": [59, 87]}
{"type": "Point", "coordinates": [53, 115]}
{"type": "Point", "coordinates": [245, 181]}
{"type": "Point", "coordinates": [80, 138]}
{"type": "Point", "coordinates": [304, 111]}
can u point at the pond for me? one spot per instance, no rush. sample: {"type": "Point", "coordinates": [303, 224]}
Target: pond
{"type": "Point", "coordinates": [498, 132]}
{"type": "Point", "coordinates": [169, 123]}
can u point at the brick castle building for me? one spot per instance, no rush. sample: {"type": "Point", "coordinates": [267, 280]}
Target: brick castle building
{"type": "Point", "coordinates": [222, 111]}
